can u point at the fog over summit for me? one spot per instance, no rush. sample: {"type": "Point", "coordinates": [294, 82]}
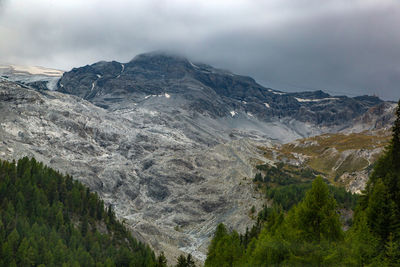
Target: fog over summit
{"type": "Point", "coordinates": [349, 48]}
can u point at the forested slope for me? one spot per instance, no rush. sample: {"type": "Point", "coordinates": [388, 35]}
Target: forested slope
{"type": "Point", "coordinates": [49, 219]}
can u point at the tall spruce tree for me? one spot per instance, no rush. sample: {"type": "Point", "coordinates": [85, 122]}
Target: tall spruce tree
{"type": "Point", "coordinates": [380, 203]}
{"type": "Point", "coordinates": [316, 216]}
{"type": "Point", "coordinates": [181, 261]}
{"type": "Point", "coordinates": [161, 260]}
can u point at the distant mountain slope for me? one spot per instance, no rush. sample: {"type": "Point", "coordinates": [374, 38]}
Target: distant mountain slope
{"type": "Point", "coordinates": [202, 88]}
{"type": "Point", "coordinates": [38, 77]}
{"type": "Point", "coordinates": [344, 158]}
{"type": "Point", "coordinates": [30, 70]}
{"type": "Point", "coordinates": [47, 218]}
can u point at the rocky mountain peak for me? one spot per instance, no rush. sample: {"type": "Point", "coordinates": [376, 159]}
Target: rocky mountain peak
{"type": "Point", "coordinates": [201, 89]}
{"type": "Point", "coordinates": [160, 58]}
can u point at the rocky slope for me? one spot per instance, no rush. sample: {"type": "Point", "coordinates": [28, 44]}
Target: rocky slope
{"type": "Point", "coordinates": [200, 88]}
{"type": "Point", "coordinates": [171, 144]}
{"type": "Point", "coordinates": [160, 173]}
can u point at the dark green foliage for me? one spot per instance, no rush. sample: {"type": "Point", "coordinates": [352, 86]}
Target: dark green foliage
{"type": "Point", "coordinates": [47, 218]}
{"type": "Point", "coordinates": [161, 260]}
{"type": "Point", "coordinates": [225, 248]}
{"type": "Point", "coordinates": [302, 238]}
{"type": "Point", "coordinates": [258, 178]}
{"type": "Point", "coordinates": [344, 198]}
{"type": "Point", "coordinates": [219, 234]}
{"type": "Point", "coordinates": [375, 235]}
{"type": "Point", "coordinates": [190, 261]}
{"type": "Point", "coordinates": [380, 211]}
{"type": "Point", "coordinates": [267, 217]}
{"type": "Point", "coordinates": [379, 206]}
{"type": "Point", "coordinates": [316, 217]}
{"type": "Point", "coordinates": [311, 235]}
{"type": "Point", "coordinates": [185, 261]}
{"type": "Point", "coordinates": [286, 185]}
{"type": "Point", "coordinates": [181, 261]}
{"type": "Point", "coordinates": [289, 195]}
{"type": "Point", "coordinates": [392, 251]}
{"type": "Point", "coordinates": [253, 209]}
{"type": "Point", "coordinates": [283, 174]}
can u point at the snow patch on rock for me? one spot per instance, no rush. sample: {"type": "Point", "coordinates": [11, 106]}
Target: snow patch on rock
{"type": "Point", "coordinates": [315, 100]}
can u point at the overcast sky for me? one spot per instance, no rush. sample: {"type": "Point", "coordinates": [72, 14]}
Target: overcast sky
{"type": "Point", "coordinates": [347, 47]}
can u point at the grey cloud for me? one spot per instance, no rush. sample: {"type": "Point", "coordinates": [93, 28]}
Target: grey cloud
{"type": "Point", "coordinates": [345, 54]}
{"type": "Point", "coordinates": [2, 4]}
{"type": "Point", "coordinates": [332, 45]}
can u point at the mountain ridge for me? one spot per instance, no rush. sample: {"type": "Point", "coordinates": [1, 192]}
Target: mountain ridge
{"type": "Point", "coordinates": [107, 83]}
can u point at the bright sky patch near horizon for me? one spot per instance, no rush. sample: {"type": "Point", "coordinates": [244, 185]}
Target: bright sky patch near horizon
{"type": "Point", "coordinates": [339, 46]}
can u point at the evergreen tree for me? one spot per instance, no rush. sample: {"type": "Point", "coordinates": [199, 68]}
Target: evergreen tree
{"type": "Point", "coordinates": [225, 248]}
{"type": "Point", "coordinates": [392, 252]}
{"type": "Point", "coordinates": [380, 211]}
{"type": "Point", "coordinates": [305, 234]}
{"type": "Point", "coordinates": [381, 198]}
{"type": "Point", "coordinates": [185, 261]}
{"type": "Point", "coordinates": [161, 260]}
{"type": "Point", "coordinates": [190, 261]}
{"type": "Point", "coordinates": [84, 226]}
{"type": "Point", "coordinates": [219, 234]}
{"type": "Point", "coordinates": [181, 261]}
{"type": "Point", "coordinates": [361, 245]}
{"type": "Point", "coordinates": [316, 216]}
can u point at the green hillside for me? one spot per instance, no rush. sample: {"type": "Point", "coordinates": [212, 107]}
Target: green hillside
{"type": "Point", "coordinates": [338, 157]}
{"type": "Point", "coordinates": [287, 184]}
{"type": "Point", "coordinates": [48, 219]}
{"type": "Point", "coordinates": [335, 154]}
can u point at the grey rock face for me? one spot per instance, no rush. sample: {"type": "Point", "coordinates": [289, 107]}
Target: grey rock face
{"type": "Point", "coordinates": [167, 175]}
{"type": "Point", "coordinates": [205, 90]}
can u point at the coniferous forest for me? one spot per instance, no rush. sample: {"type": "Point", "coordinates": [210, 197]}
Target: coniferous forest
{"type": "Point", "coordinates": [48, 219]}
{"type": "Point", "coordinates": [310, 233]}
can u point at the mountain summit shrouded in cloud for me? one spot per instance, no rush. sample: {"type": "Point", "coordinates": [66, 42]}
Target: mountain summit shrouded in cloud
{"type": "Point", "coordinates": [342, 47]}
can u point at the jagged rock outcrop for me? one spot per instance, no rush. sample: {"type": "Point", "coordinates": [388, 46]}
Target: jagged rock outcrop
{"type": "Point", "coordinates": [204, 89]}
